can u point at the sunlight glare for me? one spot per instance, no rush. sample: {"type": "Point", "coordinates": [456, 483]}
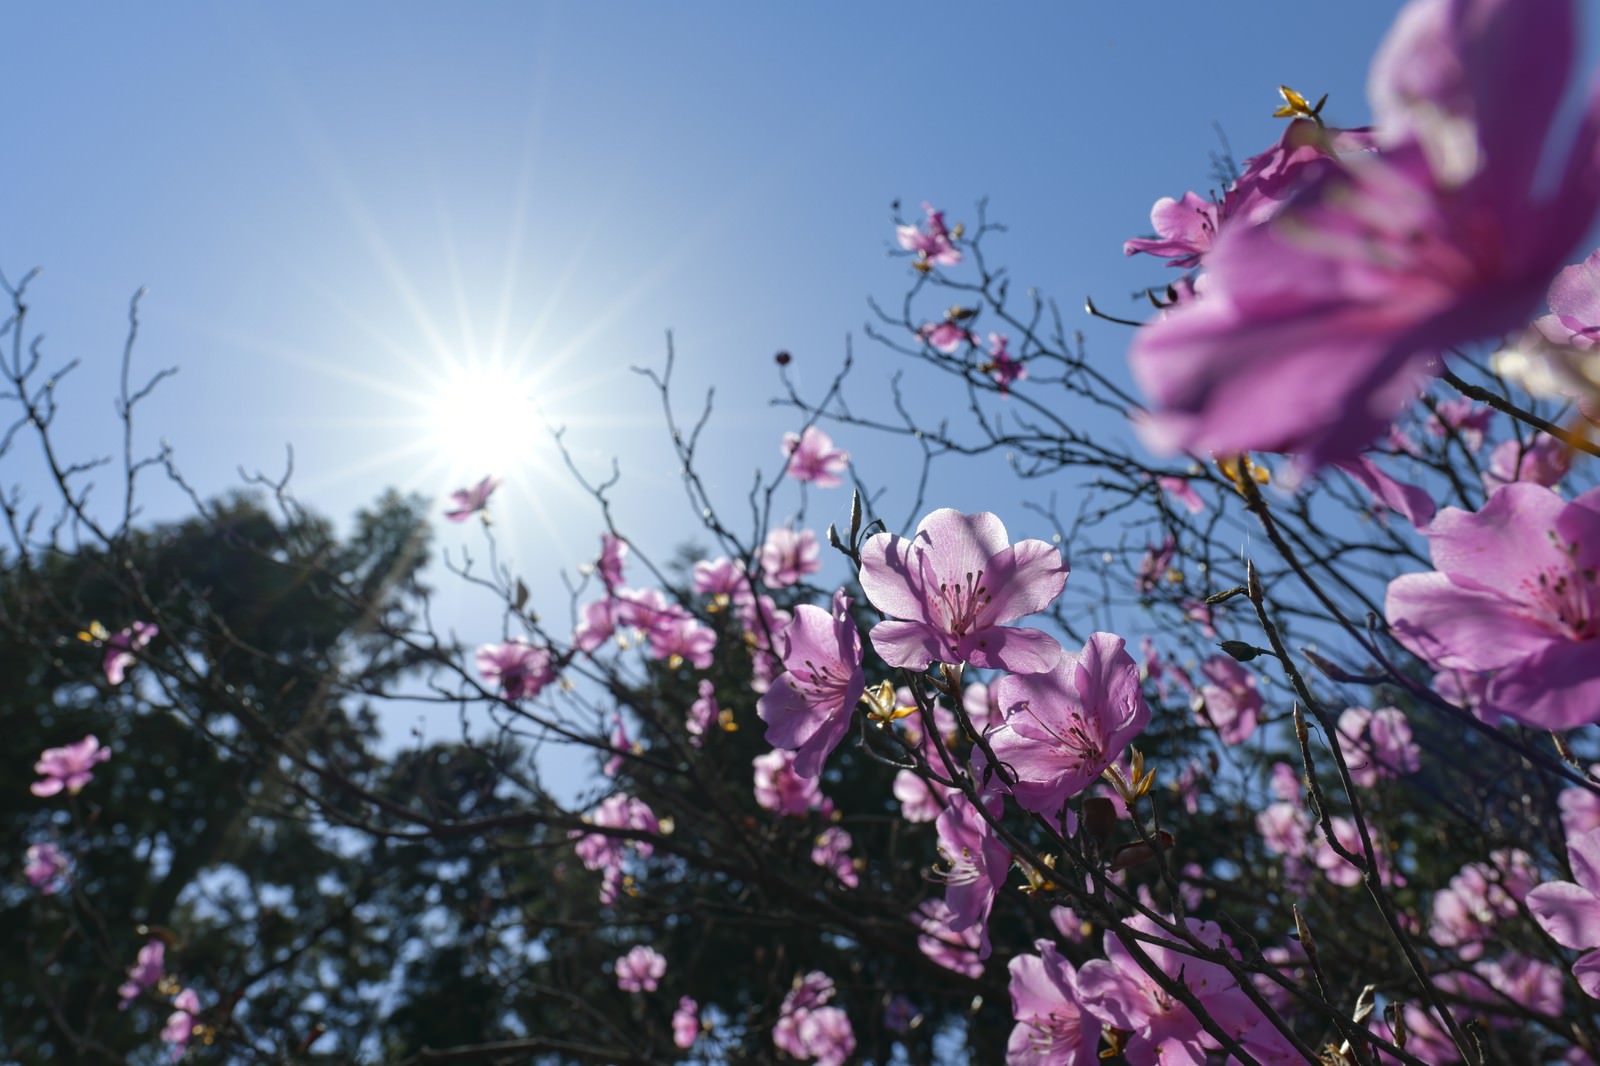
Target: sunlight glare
{"type": "Point", "coordinates": [483, 420]}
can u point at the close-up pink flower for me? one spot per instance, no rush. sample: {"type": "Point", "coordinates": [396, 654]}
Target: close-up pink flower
{"type": "Point", "coordinates": [809, 708]}
{"type": "Point", "coordinates": [813, 458]}
{"type": "Point", "coordinates": [68, 768]}
{"type": "Point", "coordinates": [1569, 911]}
{"type": "Point", "coordinates": [1052, 1027]}
{"type": "Point", "coordinates": [952, 587]}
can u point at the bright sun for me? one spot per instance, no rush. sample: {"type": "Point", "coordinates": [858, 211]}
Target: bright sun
{"type": "Point", "coordinates": [482, 420]}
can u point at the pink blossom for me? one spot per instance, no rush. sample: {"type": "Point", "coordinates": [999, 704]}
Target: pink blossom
{"type": "Point", "coordinates": [1182, 490]}
{"type": "Point", "coordinates": [686, 1023]}
{"type": "Point", "coordinates": [944, 337]}
{"type": "Point", "coordinates": [1052, 1028]}
{"type": "Point", "coordinates": [975, 864]}
{"type": "Point", "coordinates": [1410, 502]}
{"type": "Point", "coordinates": [953, 586]}
{"type": "Point", "coordinates": [621, 747]}
{"type": "Point", "coordinates": [45, 866]}
{"type": "Point", "coordinates": [702, 712]}
{"type": "Point", "coordinates": [808, 1029]}
{"type": "Point", "coordinates": [1482, 895]}
{"type": "Point", "coordinates": [1065, 726]}
{"type": "Point", "coordinates": [932, 243]}
{"type": "Point", "coordinates": [831, 851]}
{"type": "Point", "coordinates": [520, 669]}
{"type": "Point", "coordinates": [598, 623]}
{"type": "Point", "coordinates": [1462, 416]}
{"type": "Point", "coordinates": [469, 501]}
{"type": "Point", "coordinates": [787, 556]}
{"type": "Point", "coordinates": [1377, 744]}
{"type": "Point", "coordinates": [1285, 782]}
{"type": "Point", "coordinates": [813, 458]}
{"type": "Point", "coordinates": [1516, 592]}
{"type": "Point", "coordinates": [1285, 829]}
{"type": "Point", "coordinates": [1153, 566]}
{"type": "Point", "coordinates": [148, 969]}
{"type": "Point", "coordinates": [68, 768]}
{"type": "Point", "coordinates": [780, 789]}
{"type": "Point", "coordinates": [809, 708]}
{"type": "Point", "coordinates": [121, 646]}
{"type": "Point", "coordinates": [1543, 461]}
{"type": "Point", "coordinates": [640, 970]}
{"type": "Point", "coordinates": [1569, 911]}
{"type": "Point", "coordinates": [956, 952]}
{"type": "Point", "coordinates": [1001, 365]}
{"type": "Point", "coordinates": [1229, 701]}
{"type": "Point", "coordinates": [919, 800]}
{"type": "Point", "coordinates": [1341, 871]}
{"type": "Point", "coordinates": [1184, 230]}
{"type": "Point", "coordinates": [1446, 234]}
{"type": "Point", "coordinates": [1580, 807]}
{"type": "Point", "coordinates": [605, 852]}
{"type": "Point", "coordinates": [181, 1022]}
{"type": "Point", "coordinates": [613, 554]}
{"type": "Point", "coordinates": [720, 577]}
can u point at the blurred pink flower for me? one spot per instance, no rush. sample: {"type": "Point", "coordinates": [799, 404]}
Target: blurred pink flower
{"type": "Point", "coordinates": [181, 1022]}
{"type": "Point", "coordinates": [788, 556]}
{"type": "Point", "coordinates": [956, 952]}
{"type": "Point", "coordinates": [120, 648]}
{"type": "Point", "coordinates": [640, 970]}
{"type": "Point", "coordinates": [146, 972]}
{"type": "Point", "coordinates": [520, 669]}
{"type": "Point", "coordinates": [831, 851]}
{"type": "Point", "coordinates": [686, 1023]}
{"type": "Point", "coordinates": [780, 789]}
{"type": "Point", "coordinates": [1229, 701]}
{"type": "Point", "coordinates": [1001, 365]}
{"type": "Point", "coordinates": [1544, 461]}
{"type": "Point", "coordinates": [68, 768]}
{"type": "Point", "coordinates": [469, 501]}
{"type": "Point", "coordinates": [45, 866]}
{"type": "Point", "coordinates": [808, 1029]}
{"type": "Point", "coordinates": [944, 337]}
{"type": "Point", "coordinates": [1569, 911]}
{"type": "Point", "coordinates": [932, 243]}
{"type": "Point", "coordinates": [813, 458]}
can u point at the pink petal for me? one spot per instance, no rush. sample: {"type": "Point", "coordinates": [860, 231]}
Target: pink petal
{"type": "Point", "coordinates": [1568, 912]}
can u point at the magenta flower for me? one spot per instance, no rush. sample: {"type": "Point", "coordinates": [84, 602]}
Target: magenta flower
{"type": "Point", "coordinates": [1339, 870]}
{"type": "Point", "coordinates": [1065, 726]}
{"type": "Point", "coordinates": [686, 1023]}
{"type": "Point", "coordinates": [932, 243]}
{"type": "Point", "coordinates": [68, 768]}
{"type": "Point", "coordinates": [45, 866]}
{"type": "Point", "coordinates": [780, 789]}
{"type": "Point", "coordinates": [1446, 234]}
{"type": "Point", "coordinates": [956, 952]}
{"type": "Point", "coordinates": [1468, 912]}
{"type": "Point", "coordinates": [1229, 701]}
{"type": "Point", "coordinates": [640, 970]}
{"type": "Point", "coordinates": [181, 1022]}
{"type": "Point", "coordinates": [1462, 416]}
{"type": "Point", "coordinates": [953, 586]}
{"type": "Point", "coordinates": [469, 501]}
{"type": "Point", "coordinates": [1052, 1028]}
{"type": "Point", "coordinates": [1410, 502]}
{"type": "Point", "coordinates": [1153, 565]}
{"type": "Point", "coordinates": [1570, 910]}
{"type": "Point", "coordinates": [702, 712]}
{"type": "Point", "coordinates": [1543, 461]}
{"type": "Point", "coordinates": [919, 802]}
{"type": "Point", "coordinates": [1184, 230]}
{"type": "Point", "coordinates": [808, 709]}
{"type": "Point", "coordinates": [1182, 490]}
{"type": "Point", "coordinates": [519, 668]}
{"type": "Point", "coordinates": [722, 578]}
{"type": "Point", "coordinates": [944, 337]}
{"type": "Point", "coordinates": [831, 851]}
{"type": "Point", "coordinates": [121, 646]}
{"type": "Point", "coordinates": [813, 458]}
{"type": "Point", "coordinates": [1516, 592]}
{"type": "Point", "coordinates": [1377, 744]}
{"type": "Point", "coordinates": [149, 967]}
{"type": "Point", "coordinates": [1001, 365]}
{"type": "Point", "coordinates": [613, 553]}
{"type": "Point", "coordinates": [788, 556]}
{"type": "Point", "coordinates": [809, 1029]}
{"type": "Point", "coordinates": [975, 864]}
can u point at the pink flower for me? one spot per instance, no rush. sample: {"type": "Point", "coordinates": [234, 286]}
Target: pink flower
{"type": "Point", "coordinates": [1339, 870]}
{"type": "Point", "coordinates": [519, 668]}
{"type": "Point", "coordinates": [613, 553]}
{"type": "Point", "coordinates": [787, 556]}
{"type": "Point", "coordinates": [780, 789]}
{"type": "Point", "coordinates": [1410, 502]}
{"type": "Point", "coordinates": [956, 952]}
{"type": "Point", "coordinates": [975, 864]}
{"type": "Point", "coordinates": [1052, 1028]}
{"type": "Point", "coordinates": [120, 648]}
{"type": "Point", "coordinates": [1184, 229]}
{"type": "Point", "coordinates": [1447, 234]}
{"type": "Point", "coordinates": [813, 458]}
{"type": "Point", "coordinates": [932, 243]}
{"type": "Point", "coordinates": [809, 708]}
{"type": "Point", "coordinates": [1543, 461]}
{"type": "Point", "coordinates": [807, 1029]}
{"type": "Point", "coordinates": [469, 501]}
{"type": "Point", "coordinates": [45, 867]}
{"type": "Point", "coordinates": [146, 972]}
{"type": "Point", "coordinates": [1377, 744]}
{"type": "Point", "coordinates": [1001, 365]}
{"type": "Point", "coordinates": [181, 1022]}
{"type": "Point", "coordinates": [1065, 726]}
{"type": "Point", "coordinates": [944, 337]}
{"type": "Point", "coordinates": [1182, 490]}
{"type": "Point", "coordinates": [68, 768]}
{"type": "Point", "coordinates": [1153, 566]}
{"type": "Point", "coordinates": [640, 970]}
{"type": "Point", "coordinates": [686, 1023]}
{"type": "Point", "coordinates": [1462, 415]}
{"type": "Point", "coordinates": [720, 577]}
{"type": "Point", "coordinates": [1516, 592]}
{"type": "Point", "coordinates": [605, 852]}
{"type": "Point", "coordinates": [702, 712]}
{"type": "Point", "coordinates": [1479, 898]}
{"type": "Point", "coordinates": [1570, 910]}
{"type": "Point", "coordinates": [1230, 702]}
{"type": "Point", "coordinates": [918, 800]}
{"type": "Point", "coordinates": [831, 851]}
{"type": "Point", "coordinates": [953, 586]}
{"type": "Point", "coordinates": [1580, 808]}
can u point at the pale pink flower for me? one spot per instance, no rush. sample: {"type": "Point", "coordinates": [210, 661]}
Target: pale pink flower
{"type": "Point", "coordinates": [788, 556]}
{"type": "Point", "coordinates": [1377, 744]}
{"type": "Point", "coordinates": [808, 710]}
{"type": "Point", "coordinates": [1182, 490]}
{"type": "Point", "coordinates": [121, 646]}
{"type": "Point", "coordinates": [69, 768]}
{"type": "Point", "coordinates": [975, 863]}
{"type": "Point", "coordinates": [45, 866]}
{"type": "Point", "coordinates": [469, 501]}
{"type": "Point", "coordinates": [521, 670]}
{"type": "Point", "coordinates": [831, 851]}
{"type": "Point", "coordinates": [809, 1029]}
{"type": "Point", "coordinates": [944, 337]}
{"type": "Point", "coordinates": [1001, 365]}
{"type": "Point", "coordinates": [813, 458]}
{"type": "Point", "coordinates": [702, 712]}
{"type": "Point", "coordinates": [181, 1022]}
{"type": "Point", "coordinates": [1229, 701]}
{"type": "Point", "coordinates": [149, 967]}
{"type": "Point", "coordinates": [1543, 461]}
{"type": "Point", "coordinates": [686, 1023]}
{"type": "Point", "coordinates": [613, 554]}
{"type": "Point", "coordinates": [640, 970]}
{"type": "Point", "coordinates": [1569, 911]}
{"type": "Point", "coordinates": [956, 952]}
{"type": "Point", "coordinates": [1052, 1027]}
{"type": "Point", "coordinates": [780, 789]}
{"type": "Point", "coordinates": [932, 243]}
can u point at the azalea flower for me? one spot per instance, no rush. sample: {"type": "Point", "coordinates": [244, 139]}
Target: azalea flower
{"type": "Point", "coordinates": [956, 952]}
{"type": "Point", "coordinates": [945, 336]}
{"type": "Point", "coordinates": [953, 585]}
{"type": "Point", "coordinates": [148, 969]}
{"type": "Point", "coordinates": [1065, 726]}
{"type": "Point", "coordinates": [1229, 702]}
{"type": "Point", "coordinates": [120, 648]}
{"type": "Point", "coordinates": [1570, 910]}
{"type": "Point", "coordinates": [1410, 502]}
{"type": "Point", "coordinates": [1052, 1027]}
{"type": "Point", "coordinates": [519, 668]}
{"type": "Point", "coordinates": [807, 1028]}
{"type": "Point", "coordinates": [932, 243]}
{"type": "Point", "coordinates": [702, 712]}
{"type": "Point", "coordinates": [788, 556]}
{"type": "Point", "coordinates": [1001, 365]}
{"type": "Point", "coordinates": [686, 1023]}
{"type": "Point", "coordinates": [469, 501]}
{"type": "Point", "coordinates": [45, 867]}
{"type": "Point", "coordinates": [1544, 461]}
{"type": "Point", "coordinates": [181, 1022]}
{"type": "Point", "coordinates": [975, 863]}
{"type": "Point", "coordinates": [1377, 744]}
{"type": "Point", "coordinates": [813, 458]}
{"type": "Point", "coordinates": [808, 709]}
{"type": "Point", "coordinates": [613, 553]}
{"type": "Point", "coordinates": [1182, 490]}
{"type": "Point", "coordinates": [640, 970]}
{"type": "Point", "coordinates": [68, 768]}
{"type": "Point", "coordinates": [780, 789]}
{"type": "Point", "coordinates": [1516, 593]}
{"type": "Point", "coordinates": [1445, 234]}
{"type": "Point", "coordinates": [831, 851]}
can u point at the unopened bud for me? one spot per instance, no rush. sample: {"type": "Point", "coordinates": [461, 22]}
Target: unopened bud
{"type": "Point", "coordinates": [1252, 581]}
{"type": "Point", "coordinates": [1241, 650]}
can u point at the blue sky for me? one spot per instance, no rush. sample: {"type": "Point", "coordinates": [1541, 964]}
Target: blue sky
{"type": "Point", "coordinates": [333, 205]}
